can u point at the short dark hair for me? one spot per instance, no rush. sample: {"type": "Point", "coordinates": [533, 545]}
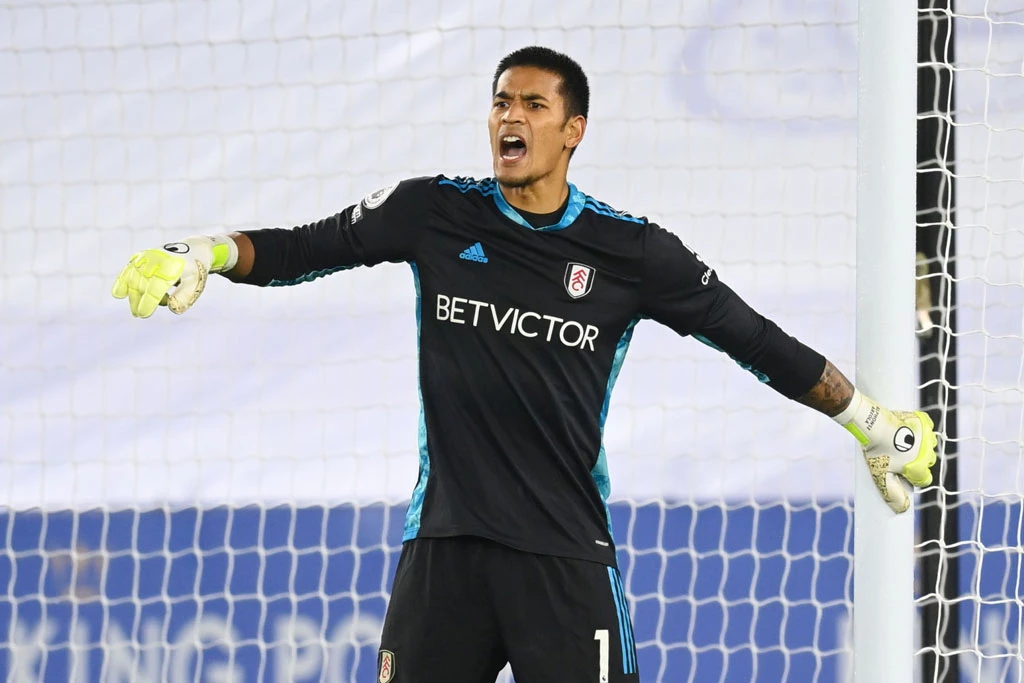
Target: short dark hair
{"type": "Point", "coordinates": [575, 90]}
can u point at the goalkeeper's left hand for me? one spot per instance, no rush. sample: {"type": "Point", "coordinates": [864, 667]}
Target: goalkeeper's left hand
{"type": "Point", "coordinates": [896, 444]}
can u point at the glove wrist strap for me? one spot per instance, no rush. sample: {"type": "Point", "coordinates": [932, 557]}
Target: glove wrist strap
{"type": "Point", "coordinates": [850, 411]}
{"type": "Point", "coordinates": [225, 253]}
{"type": "Point", "coordinates": [859, 417]}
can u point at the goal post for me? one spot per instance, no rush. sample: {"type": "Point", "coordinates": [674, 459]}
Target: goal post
{"type": "Point", "coordinates": [883, 556]}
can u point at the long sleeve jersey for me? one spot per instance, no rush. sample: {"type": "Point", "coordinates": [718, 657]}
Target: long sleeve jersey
{"type": "Point", "coordinates": [522, 332]}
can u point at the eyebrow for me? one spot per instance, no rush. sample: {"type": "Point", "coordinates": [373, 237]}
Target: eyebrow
{"type": "Point", "coordinates": [529, 97]}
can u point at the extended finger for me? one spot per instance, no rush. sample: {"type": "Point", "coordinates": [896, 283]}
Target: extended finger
{"type": "Point", "coordinates": [895, 494]}
{"type": "Point", "coordinates": [888, 484]}
{"type": "Point", "coordinates": [919, 470]}
{"type": "Point", "coordinates": [153, 291]}
{"type": "Point", "coordinates": [120, 289]}
{"type": "Point", "coordinates": [135, 286]}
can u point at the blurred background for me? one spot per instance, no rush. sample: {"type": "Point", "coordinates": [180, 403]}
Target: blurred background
{"type": "Point", "coordinates": [220, 496]}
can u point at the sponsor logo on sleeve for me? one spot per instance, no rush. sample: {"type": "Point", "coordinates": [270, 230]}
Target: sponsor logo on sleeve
{"type": "Point", "coordinates": [706, 277]}
{"type": "Point", "coordinates": [375, 199]}
{"type": "Point", "coordinates": [371, 201]}
{"type": "Point", "coordinates": [579, 280]}
{"type": "Point", "coordinates": [693, 251]}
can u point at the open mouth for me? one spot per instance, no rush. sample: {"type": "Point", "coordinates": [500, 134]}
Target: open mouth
{"type": "Point", "coordinates": [512, 148]}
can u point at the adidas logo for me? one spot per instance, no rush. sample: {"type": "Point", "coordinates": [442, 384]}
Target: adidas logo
{"type": "Point", "coordinates": [474, 253]}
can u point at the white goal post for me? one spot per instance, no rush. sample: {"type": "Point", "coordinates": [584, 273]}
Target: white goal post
{"type": "Point", "coordinates": [219, 496]}
{"type": "Point", "coordinates": [883, 558]}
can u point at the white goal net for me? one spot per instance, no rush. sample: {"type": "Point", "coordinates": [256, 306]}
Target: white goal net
{"type": "Point", "coordinates": [985, 263]}
{"type": "Point", "coordinates": [220, 496]}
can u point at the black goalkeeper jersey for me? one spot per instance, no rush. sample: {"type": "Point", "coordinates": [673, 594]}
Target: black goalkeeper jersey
{"type": "Point", "coordinates": [522, 332]}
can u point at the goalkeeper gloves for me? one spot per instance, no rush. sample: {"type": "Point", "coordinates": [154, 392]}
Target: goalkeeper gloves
{"type": "Point", "coordinates": [149, 276]}
{"type": "Point", "coordinates": [896, 444]}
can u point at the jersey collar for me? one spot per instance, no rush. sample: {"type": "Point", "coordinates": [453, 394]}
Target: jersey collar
{"type": "Point", "coordinates": [572, 210]}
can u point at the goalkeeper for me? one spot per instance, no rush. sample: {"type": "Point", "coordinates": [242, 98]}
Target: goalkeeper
{"type": "Point", "coordinates": [528, 291]}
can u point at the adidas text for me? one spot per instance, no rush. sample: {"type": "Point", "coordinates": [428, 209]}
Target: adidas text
{"type": "Point", "coordinates": [460, 311]}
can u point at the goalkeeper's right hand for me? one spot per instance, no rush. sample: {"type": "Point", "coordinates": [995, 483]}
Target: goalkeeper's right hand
{"type": "Point", "coordinates": [149, 276]}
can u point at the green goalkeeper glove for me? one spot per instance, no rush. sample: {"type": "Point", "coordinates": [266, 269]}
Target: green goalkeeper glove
{"type": "Point", "coordinates": [897, 445]}
{"type": "Point", "coordinates": [149, 276]}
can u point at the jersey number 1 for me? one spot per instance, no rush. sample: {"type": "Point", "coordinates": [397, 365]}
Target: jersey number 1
{"type": "Point", "coordinates": [601, 636]}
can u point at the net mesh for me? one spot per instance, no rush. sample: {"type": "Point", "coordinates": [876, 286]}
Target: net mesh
{"type": "Point", "coordinates": [220, 496]}
{"type": "Point", "coordinates": [977, 297]}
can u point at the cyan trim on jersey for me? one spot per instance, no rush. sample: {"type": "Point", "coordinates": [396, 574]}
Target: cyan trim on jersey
{"type": "Point", "coordinates": [626, 636]}
{"type": "Point", "coordinates": [605, 210]}
{"type": "Point", "coordinates": [489, 188]}
{"type": "Point", "coordinates": [309, 277]}
{"type": "Point", "coordinates": [600, 471]}
{"type": "Point", "coordinates": [572, 210]}
{"type": "Point", "coordinates": [486, 187]}
{"type": "Point", "coordinates": [415, 512]}
{"type": "Point", "coordinates": [763, 378]}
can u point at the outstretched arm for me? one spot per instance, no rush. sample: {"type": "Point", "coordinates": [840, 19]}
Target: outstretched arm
{"type": "Point", "coordinates": [832, 394]}
{"type": "Point", "coordinates": [246, 256]}
{"type": "Point", "coordinates": [373, 231]}
{"type": "Point", "coordinates": [685, 294]}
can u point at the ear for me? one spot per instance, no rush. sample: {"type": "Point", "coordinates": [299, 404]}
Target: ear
{"type": "Point", "coordinates": [575, 128]}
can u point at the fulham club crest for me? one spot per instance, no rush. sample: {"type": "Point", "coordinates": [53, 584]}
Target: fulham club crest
{"type": "Point", "coordinates": [386, 667]}
{"type": "Point", "coordinates": [579, 280]}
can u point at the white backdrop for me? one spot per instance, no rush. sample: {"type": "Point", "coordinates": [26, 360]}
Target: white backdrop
{"type": "Point", "coordinates": [128, 124]}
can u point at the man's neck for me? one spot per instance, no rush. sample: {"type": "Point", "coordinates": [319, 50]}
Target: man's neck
{"type": "Point", "coordinates": [545, 195]}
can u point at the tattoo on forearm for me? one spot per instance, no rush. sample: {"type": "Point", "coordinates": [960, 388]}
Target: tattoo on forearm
{"type": "Point", "coordinates": [831, 394]}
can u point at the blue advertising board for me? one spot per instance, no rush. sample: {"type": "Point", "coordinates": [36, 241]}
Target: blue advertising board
{"type": "Point", "coordinates": [299, 594]}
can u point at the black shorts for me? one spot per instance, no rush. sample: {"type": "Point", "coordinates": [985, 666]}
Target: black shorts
{"type": "Point", "coordinates": [462, 607]}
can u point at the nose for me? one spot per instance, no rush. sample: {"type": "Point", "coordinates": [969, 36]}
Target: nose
{"type": "Point", "coordinates": [514, 113]}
